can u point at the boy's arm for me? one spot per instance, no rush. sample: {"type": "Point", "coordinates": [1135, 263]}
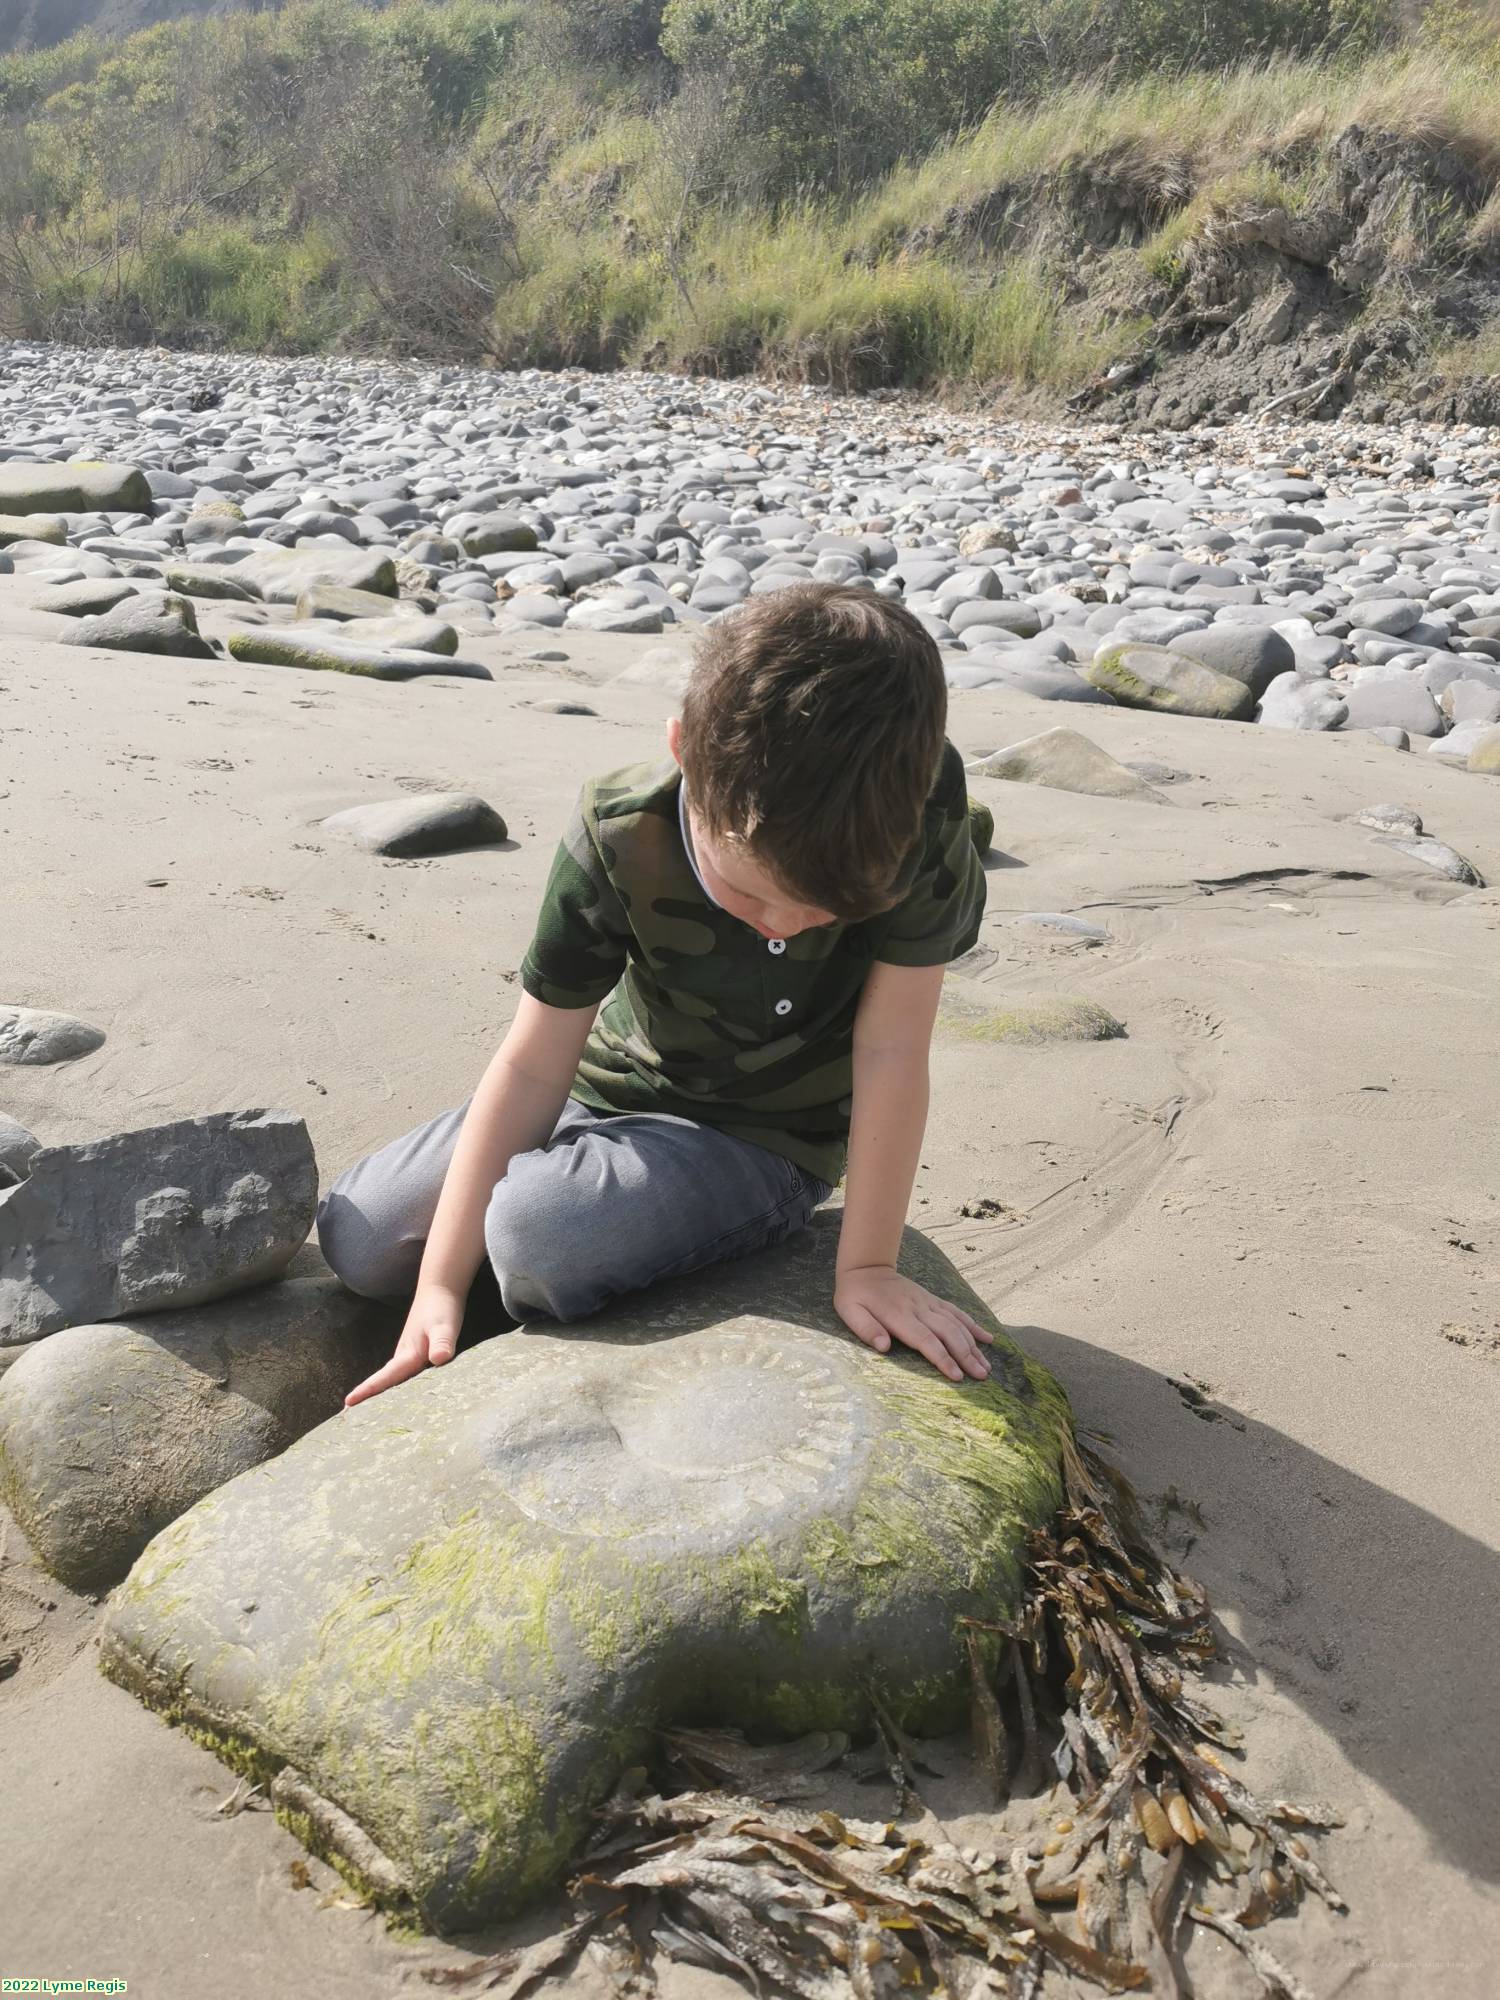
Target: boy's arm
{"type": "Point", "coordinates": [515, 1107]}
{"type": "Point", "coordinates": [892, 1033]}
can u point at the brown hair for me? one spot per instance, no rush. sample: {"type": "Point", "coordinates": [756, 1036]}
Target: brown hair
{"type": "Point", "coordinates": [812, 729]}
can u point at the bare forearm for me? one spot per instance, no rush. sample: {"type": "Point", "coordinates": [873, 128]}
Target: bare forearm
{"type": "Point", "coordinates": [514, 1109]}
{"type": "Point", "coordinates": [885, 1144]}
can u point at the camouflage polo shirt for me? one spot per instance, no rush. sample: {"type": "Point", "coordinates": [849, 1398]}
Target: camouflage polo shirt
{"type": "Point", "coordinates": [705, 1018]}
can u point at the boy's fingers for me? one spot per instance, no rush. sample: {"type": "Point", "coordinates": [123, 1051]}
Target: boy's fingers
{"type": "Point", "coordinates": [397, 1369]}
{"type": "Point", "coordinates": [931, 1344]}
{"type": "Point", "coordinates": [952, 1328]}
{"type": "Point", "coordinates": [863, 1323]}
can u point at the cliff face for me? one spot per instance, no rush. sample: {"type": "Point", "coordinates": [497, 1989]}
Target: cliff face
{"type": "Point", "coordinates": [38, 24]}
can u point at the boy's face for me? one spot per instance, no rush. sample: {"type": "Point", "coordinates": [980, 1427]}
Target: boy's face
{"type": "Point", "coordinates": [737, 881]}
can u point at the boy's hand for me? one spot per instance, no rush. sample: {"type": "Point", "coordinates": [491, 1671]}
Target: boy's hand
{"type": "Point", "coordinates": [879, 1305]}
{"type": "Point", "coordinates": [429, 1336]}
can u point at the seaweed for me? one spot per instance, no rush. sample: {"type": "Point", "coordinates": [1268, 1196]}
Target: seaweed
{"type": "Point", "coordinates": [1098, 1680]}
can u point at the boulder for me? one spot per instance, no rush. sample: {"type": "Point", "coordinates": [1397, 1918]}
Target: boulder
{"type": "Point", "coordinates": [1291, 702]}
{"type": "Point", "coordinates": [985, 535]}
{"type": "Point", "coordinates": [1485, 755]}
{"type": "Point", "coordinates": [1400, 702]}
{"type": "Point", "coordinates": [109, 1432]}
{"type": "Point", "coordinates": [281, 575]}
{"type": "Point", "coordinates": [34, 1037]}
{"type": "Point", "coordinates": [1155, 677]}
{"type": "Point", "coordinates": [73, 489]}
{"type": "Point", "coordinates": [337, 654]}
{"type": "Point", "coordinates": [171, 1215]}
{"type": "Point", "coordinates": [450, 1618]}
{"type": "Point", "coordinates": [1253, 654]}
{"type": "Point", "coordinates": [149, 622]}
{"type": "Point", "coordinates": [86, 598]}
{"type": "Point", "coordinates": [339, 602]}
{"type": "Point", "coordinates": [425, 823]}
{"type": "Point", "coordinates": [1067, 762]}
{"type": "Point", "coordinates": [499, 534]}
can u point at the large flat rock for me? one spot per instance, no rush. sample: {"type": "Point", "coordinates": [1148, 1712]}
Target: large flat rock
{"type": "Point", "coordinates": [109, 1432]}
{"type": "Point", "coordinates": [456, 1612]}
{"type": "Point", "coordinates": [171, 1215]}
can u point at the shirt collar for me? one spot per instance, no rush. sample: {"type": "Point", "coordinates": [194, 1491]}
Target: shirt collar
{"type": "Point", "coordinates": [687, 842]}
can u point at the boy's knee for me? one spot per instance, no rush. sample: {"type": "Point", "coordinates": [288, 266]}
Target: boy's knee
{"type": "Point", "coordinates": [537, 1249]}
{"type": "Point", "coordinates": [353, 1249]}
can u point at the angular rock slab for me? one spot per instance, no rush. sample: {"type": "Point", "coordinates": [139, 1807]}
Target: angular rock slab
{"type": "Point", "coordinates": [108, 1433]}
{"type": "Point", "coordinates": [172, 1215]}
{"type": "Point", "coordinates": [425, 823]}
{"type": "Point", "coordinates": [1066, 762]}
{"type": "Point", "coordinates": [457, 1611]}
{"type": "Point", "coordinates": [32, 1036]}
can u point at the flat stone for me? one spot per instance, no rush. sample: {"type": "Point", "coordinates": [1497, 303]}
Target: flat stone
{"type": "Point", "coordinates": [710, 1502]}
{"type": "Point", "coordinates": [666, 667]}
{"type": "Point", "coordinates": [598, 614]}
{"type": "Point", "coordinates": [423, 823]}
{"type": "Point", "coordinates": [1067, 762]}
{"type": "Point", "coordinates": [73, 489]}
{"type": "Point", "coordinates": [281, 575]}
{"type": "Point", "coordinates": [216, 581]}
{"type": "Point", "coordinates": [108, 1432]}
{"type": "Point", "coordinates": [171, 1215]}
{"type": "Point", "coordinates": [33, 1037]}
{"type": "Point", "coordinates": [338, 602]}
{"type": "Point", "coordinates": [1067, 926]}
{"type": "Point", "coordinates": [969, 1010]}
{"type": "Point", "coordinates": [148, 622]}
{"type": "Point", "coordinates": [1154, 677]}
{"type": "Point", "coordinates": [1436, 854]}
{"type": "Point", "coordinates": [558, 707]}
{"type": "Point", "coordinates": [1390, 819]}
{"type": "Point", "coordinates": [86, 598]}
{"type": "Point", "coordinates": [336, 654]}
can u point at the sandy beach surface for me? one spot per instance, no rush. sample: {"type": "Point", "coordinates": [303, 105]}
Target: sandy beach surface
{"type": "Point", "coordinates": [1258, 1239]}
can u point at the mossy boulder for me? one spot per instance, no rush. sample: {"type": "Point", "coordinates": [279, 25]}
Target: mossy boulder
{"type": "Point", "coordinates": [981, 827]}
{"type": "Point", "coordinates": [1154, 677]}
{"type": "Point", "coordinates": [73, 489]}
{"type": "Point", "coordinates": [1485, 755]}
{"type": "Point", "coordinates": [451, 1616]}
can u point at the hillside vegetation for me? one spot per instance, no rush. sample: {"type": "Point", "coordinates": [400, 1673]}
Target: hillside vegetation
{"type": "Point", "coordinates": [948, 193]}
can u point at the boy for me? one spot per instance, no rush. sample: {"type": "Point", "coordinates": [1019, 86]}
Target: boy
{"type": "Point", "coordinates": [769, 915]}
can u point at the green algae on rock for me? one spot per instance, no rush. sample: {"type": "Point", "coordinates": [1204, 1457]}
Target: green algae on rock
{"type": "Point", "coordinates": [270, 647]}
{"type": "Point", "coordinates": [1154, 677]}
{"type": "Point", "coordinates": [981, 827]}
{"type": "Point", "coordinates": [969, 1010]}
{"type": "Point", "coordinates": [457, 1612]}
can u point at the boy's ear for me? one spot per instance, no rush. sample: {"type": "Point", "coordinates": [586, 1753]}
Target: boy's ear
{"type": "Point", "coordinates": [674, 739]}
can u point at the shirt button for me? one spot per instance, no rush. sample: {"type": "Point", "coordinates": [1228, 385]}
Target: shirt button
{"type": "Point", "coordinates": [778, 945]}
{"type": "Point", "coordinates": [783, 1006]}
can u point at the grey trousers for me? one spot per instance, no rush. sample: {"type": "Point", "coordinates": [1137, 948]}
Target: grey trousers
{"type": "Point", "coordinates": [610, 1203]}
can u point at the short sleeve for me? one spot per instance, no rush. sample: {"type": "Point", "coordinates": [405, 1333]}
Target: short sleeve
{"type": "Point", "coordinates": [938, 919]}
{"type": "Point", "coordinates": [580, 945]}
